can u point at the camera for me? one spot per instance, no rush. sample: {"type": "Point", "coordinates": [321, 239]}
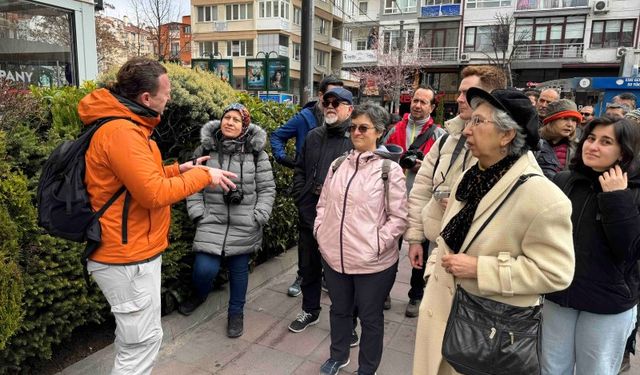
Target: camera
{"type": "Point", "coordinates": [233, 196]}
{"type": "Point", "coordinates": [410, 158]}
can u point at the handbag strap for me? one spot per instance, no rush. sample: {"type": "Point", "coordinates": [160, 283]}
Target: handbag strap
{"type": "Point", "coordinates": [520, 181]}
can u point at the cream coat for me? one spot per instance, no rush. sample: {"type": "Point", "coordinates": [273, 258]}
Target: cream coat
{"type": "Point", "coordinates": [425, 213]}
{"type": "Point", "coordinates": [525, 251]}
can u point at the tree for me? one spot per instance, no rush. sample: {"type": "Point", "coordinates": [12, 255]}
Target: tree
{"type": "Point", "coordinates": [154, 14]}
{"type": "Point", "coordinates": [501, 52]}
{"type": "Point", "coordinates": [108, 46]}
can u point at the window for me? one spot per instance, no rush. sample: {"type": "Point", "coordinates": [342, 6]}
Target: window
{"type": "Point", "coordinates": [442, 2]}
{"type": "Point", "coordinates": [296, 51]}
{"type": "Point", "coordinates": [390, 40]}
{"type": "Point", "coordinates": [488, 3]}
{"type": "Point", "coordinates": [322, 26]}
{"type": "Point", "coordinates": [361, 45]}
{"type": "Point", "coordinates": [439, 34]}
{"type": "Point", "coordinates": [240, 48]}
{"type": "Point", "coordinates": [175, 49]}
{"type": "Point", "coordinates": [612, 33]}
{"type": "Point", "coordinates": [551, 30]}
{"type": "Point", "coordinates": [207, 49]}
{"type": "Point", "coordinates": [363, 8]}
{"type": "Point", "coordinates": [478, 39]}
{"type": "Point", "coordinates": [322, 58]}
{"type": "Point", "coordinates": [406, 6]}
{"type": "Point", "coordinates": [297, 16]}
{"type": "Point", "coordinates": [207, 13]}
{"type": "Point", "coordinates": [347, 34]}
{"type": "Point", "coordinates": [187, 29]}
{"type": "Point", "coordinates": [239, 12]}
{"type": "Point", "coordinates": [274, 9]}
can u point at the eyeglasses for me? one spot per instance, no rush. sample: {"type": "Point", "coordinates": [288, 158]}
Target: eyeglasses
{"type": "Point", "coordinates": [333, 103]}
{"type": "Point", "coordinates": [585, 114]}
{"type": "Point", "coordinates": [361, 128]}
{"type": "Point", "coordinates": [475, 121]}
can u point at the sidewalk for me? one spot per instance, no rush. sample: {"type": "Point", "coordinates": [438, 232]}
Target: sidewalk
{"type": "Point", "coordinates": [198, 344]}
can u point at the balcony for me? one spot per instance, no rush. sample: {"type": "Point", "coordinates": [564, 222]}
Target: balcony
{"type": "Point", "coordinates": [438, 54]}
{"type": "Point", "coordinates": [549, 51]}
{"type": "Point", "coordinates": [336, 43]}
{"type": "Point", "coordinates": [550, 4]}
{"type": "Point", "coordinates": [443, 10]}
{"type": "Point", "coordinates": [366, 57]}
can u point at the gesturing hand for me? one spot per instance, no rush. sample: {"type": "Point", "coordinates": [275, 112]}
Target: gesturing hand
{"type": "Point", "coordinates": [197, 162]}
{"type": "Point", "coordinates": [222, 178]}
{"type": "Point", "coordinates": [613, 179]}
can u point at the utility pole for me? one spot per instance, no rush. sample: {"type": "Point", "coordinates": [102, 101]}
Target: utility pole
{"type": "Point", "coordinates": [400, 78]}
{"type": "Point", "coordinates": [306, 53]}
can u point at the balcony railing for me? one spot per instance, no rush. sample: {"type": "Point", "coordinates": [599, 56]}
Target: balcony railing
{"type": "Point", "coordinates": [360, 57]}
{"type": "Point", "coordinates": [549, 51]}
{"type": "Point", "coordinates": [436, 54]}
{"type": "Point", "coordinates": [550, 4]}
{"type": "Point", "coordinates": [441, 10]}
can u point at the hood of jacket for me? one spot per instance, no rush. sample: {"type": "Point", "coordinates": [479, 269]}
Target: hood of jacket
{"type": "Point", "coordinates": [455, 125]}
{"type": "Point", "coordinates": [103, 103]}
{"type": "Point", "coordinates": [390, 151]}
{"type": "Point", "coordinates": [254, 140]}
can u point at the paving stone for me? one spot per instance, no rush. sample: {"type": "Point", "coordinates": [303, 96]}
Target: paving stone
{"type": "Point", "coordinates": [300, 344]}
{"type": "Point", "coordinates": [261, 360]}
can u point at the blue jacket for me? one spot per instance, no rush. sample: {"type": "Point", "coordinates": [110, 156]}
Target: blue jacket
{"type": "Point", "coordinates": [298, 126]}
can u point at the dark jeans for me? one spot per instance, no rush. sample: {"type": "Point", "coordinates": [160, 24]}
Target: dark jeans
{"type": "Point", "coordinates": [311, 270]}
{"type": "Point", "coordinates": [205, 270]}
{"type": "Point", "coordinates": [367, 293]}
{"type": "Point", "coordinates": [417, 276]}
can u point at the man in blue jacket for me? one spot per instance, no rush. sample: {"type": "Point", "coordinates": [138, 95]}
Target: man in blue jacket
{"type": "Point", "coordinates": [297, 127]}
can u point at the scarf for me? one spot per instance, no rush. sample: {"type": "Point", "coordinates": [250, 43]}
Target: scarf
{"type": "Point", "coordinates": [474, 186]}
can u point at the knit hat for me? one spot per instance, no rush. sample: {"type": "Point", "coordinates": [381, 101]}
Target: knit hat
{"type": "Point", "coordinates": [244, 113]}
{"type": "Point", "coordinates": [562, 108]}
{"type": "Point", "coordinates": [516, 105]}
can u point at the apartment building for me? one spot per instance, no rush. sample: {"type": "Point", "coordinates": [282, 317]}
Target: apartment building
{"type": "Point", "coordinates": [549, 39]}
{"type": "Point", "coordinates": [241, 30]}
{"type": "Point", "coordinates": [134, 41]}
{"type": "Point", "coordinates": [175, 39]}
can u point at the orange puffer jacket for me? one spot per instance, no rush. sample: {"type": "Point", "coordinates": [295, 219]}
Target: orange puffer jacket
{"type": "Point", "coordinates": [122, 153]}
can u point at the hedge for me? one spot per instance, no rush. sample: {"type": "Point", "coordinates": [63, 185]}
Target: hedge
{"type": "Point", "coordinates": [43, 296]}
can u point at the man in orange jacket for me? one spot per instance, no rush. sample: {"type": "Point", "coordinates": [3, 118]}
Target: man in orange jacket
{"type": "Point", "coordinates": [126, 265]}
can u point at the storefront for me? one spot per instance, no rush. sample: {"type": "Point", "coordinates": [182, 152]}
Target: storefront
{"type": "Point", "coordinates": [47, 42]}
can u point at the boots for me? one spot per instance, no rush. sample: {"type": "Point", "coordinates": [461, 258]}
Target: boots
{"type": "Point", "coordinates": [235, 325]}
{"type": "Point", "coordinates": [189, 306]}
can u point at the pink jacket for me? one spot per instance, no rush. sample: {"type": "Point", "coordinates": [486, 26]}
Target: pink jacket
{"type": "Point", "coordinates": [354, 233]}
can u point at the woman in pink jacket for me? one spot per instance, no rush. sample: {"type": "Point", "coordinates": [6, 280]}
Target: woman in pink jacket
{"type": "Point", "coordinates": [359, 221]}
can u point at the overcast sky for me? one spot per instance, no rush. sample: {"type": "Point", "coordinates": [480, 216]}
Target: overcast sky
{"type": "Point", "coordinates": [123, 7]}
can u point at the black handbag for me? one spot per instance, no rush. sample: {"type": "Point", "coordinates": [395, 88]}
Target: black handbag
{"type": "Point", "coordinates": [487, 337]}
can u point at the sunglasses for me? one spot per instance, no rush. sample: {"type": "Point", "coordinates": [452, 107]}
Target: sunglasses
{"type": "Point", "coordinates": [333, 103]}
{"type": "Point", "coordinates": [586, 114]}
{"type": "Point", "coordinates": [361, 128]}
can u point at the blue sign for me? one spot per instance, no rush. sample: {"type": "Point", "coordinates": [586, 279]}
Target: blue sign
{"type": "Point", "coordinates": [278, 98]}
{"type": "Point", "coordinates": [440, 10]}
{"type": "Point", "coordinates": [620, 83]}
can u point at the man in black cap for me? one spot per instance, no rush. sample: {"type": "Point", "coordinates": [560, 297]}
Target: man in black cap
{"type": "Point", "coordinates": [321, 147]}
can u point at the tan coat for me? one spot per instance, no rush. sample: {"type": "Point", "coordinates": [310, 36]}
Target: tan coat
{"type": "Point", "coordinates": [425, 213]}
{"type": "Point", "coordinates": [525, 251]}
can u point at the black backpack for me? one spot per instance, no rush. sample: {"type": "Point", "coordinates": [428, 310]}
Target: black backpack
{"type": "Point", "coordinates": [64, 209]}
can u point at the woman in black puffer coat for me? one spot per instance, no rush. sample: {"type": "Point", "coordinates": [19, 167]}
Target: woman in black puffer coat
{"type": "Point", "coordinates": [586, 326]}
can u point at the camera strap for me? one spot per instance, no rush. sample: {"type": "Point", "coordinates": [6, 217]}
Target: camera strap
{"type": "Point", "coordinates": [422, 138]}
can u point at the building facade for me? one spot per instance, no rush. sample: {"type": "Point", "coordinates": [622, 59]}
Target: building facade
{"type": "Point", "coordinates": [175, 41]}
{"type": "Point", "coordinates": [47, 43]}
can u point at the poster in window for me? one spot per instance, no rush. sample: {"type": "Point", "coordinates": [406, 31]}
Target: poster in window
{"type": "Point", "coordinates": [278, 70]}
{"type": "Point", "coordinates": [256, 72]}
{"type": "Point", "coordinates": [200, 64]}
{"type": "Point", "coordinates": [223, 69]}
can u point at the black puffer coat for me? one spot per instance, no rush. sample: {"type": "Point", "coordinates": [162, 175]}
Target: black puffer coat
{"type": "Point", "coordinates": [606, 236]}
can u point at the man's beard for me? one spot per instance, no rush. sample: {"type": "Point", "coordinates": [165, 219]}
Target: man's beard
{"type": "Point", "coordinates": [331, 119]}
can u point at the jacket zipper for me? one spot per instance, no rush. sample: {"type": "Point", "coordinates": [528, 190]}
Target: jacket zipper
{"type": "Point", "coordinates": [344, 208]}
{"type": "Point", "coordinates": [226, 232]}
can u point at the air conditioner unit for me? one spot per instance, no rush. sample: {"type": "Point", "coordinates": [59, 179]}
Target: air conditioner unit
{"type": "Point", "coordinates": [465, 57]}
{"type": "Point", "coordinates": [600, 6]}
{"type": "Point", "coordinates": [621, 51]}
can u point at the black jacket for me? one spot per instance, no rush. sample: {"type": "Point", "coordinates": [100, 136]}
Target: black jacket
{"type": "Point", "coordinates": [606, 235]}
{"type": "Point", "coordinates": [321, 147]}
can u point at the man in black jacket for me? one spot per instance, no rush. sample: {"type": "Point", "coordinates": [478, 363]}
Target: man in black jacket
{"type": "Point", "coordinates": [322, 146]}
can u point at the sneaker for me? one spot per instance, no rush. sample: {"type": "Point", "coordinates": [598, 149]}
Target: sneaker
{"type": "Point", "coordinates": [190, 305]}
{"type": "Point", "coordinates": [295, 289]}
{"type": "Point", "coordinates": [387, 303]}
{"type": "Point", "coordinates": [303, 320]}
{"type": "Point", "coordinates": [413, 308]}
{"type": "Point", "coordinates": [355, 340]}
{"type": "Point", "coordinates": [626, 362]}
{"type": "Point", "coordinates": [323, 285]}
{"type": "Point", "coordinates": [332, 367]}
{"type": "Point", "coordinates": [235, 326]}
